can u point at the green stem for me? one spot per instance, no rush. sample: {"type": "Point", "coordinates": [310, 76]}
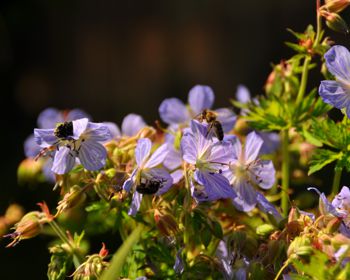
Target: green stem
{"type": "Point", "coordinates": [285, 172]}
{"type": "Point", "coordinates": [187, 207]}
{"type": "Point", "coordinates": [281, 270]}
{"type": "Point", "coordinates": [114, 270]}
{"type": "Point", "coordinates": [64, 238]}
{"type": "Point", "coordinates": [319, 24]}
{"type": "Point", "coordinates": [336, 181]}
{"type": "Point", "coordinates": [304, 77]}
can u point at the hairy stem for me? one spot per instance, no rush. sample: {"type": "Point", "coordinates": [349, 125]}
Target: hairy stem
{"type": "Point", "coordinates": [336, 181]}
{"type": "Point", "coordinates": [114, 270]}
{"type": "Point", "coordinates": [285, 172]}
{"type": "Point", "coordinates": [304, 77]}
{"type": "Point", "coordinates": [281, 270]}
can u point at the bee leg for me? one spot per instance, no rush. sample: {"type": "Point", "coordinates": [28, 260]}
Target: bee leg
{"type": "Point", "coordinates": [209, 129]}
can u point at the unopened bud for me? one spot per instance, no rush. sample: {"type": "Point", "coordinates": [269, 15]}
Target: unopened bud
{"type": "Point", "coordinates": [335, 22]}
{"type": "Point", "coordinates": [265, 230]}
{"type": "Point", "coordinates": [166, 223]}
{"type": "Point", "coordinates": [333, 225]}
{"type": "Point", "coordinates": [146, 132]}
{"type": "Point", "coordinates": [14, 213]}
{"type": "Point", "coordinates": [301, 246]}
{"type": "Point", "coordinates": [73, 198]}
{"type": "Point", "coordinates": [335, 6]}
{"type": "Point", "coordinates": [29, 170]}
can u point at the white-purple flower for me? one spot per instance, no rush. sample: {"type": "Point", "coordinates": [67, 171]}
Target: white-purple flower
{"type": "Point", "coordinates": [246, 171]}
{"type": "Point", "coordinates": [147, 177]}
{"type": "Point", "coordinates": [79, 139]}
{"type": "Point", "coordinates": [174, 112]}
{"type": "Point", "coordinates": [209, 158]}
{"type": "Point", "coordinates": [337, 93]}
{"type": "Point", "coordinates": [131, 125]}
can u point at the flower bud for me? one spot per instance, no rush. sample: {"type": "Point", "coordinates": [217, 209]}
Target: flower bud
{"type": "Point", "coordinates": [335, 22]}
{"type": "Point", "coordinates": [29, 226]}
{"type": "Point", "coordinates": [166, 223]}
{"type": "Point", "coordinates": [335, 6]}
{"type": "Point", "coordinates": [265, 230]}
{"type": "Point", "coordinates": [73, 198]}
{"type": "Point", "coordinates": [14, 213]}
{"type": "Point", "coordinates": [29, 170]}
{"type": "Point", "coordinates": [333, 225]}
{"type": "Point", "coordinates": [146, 132]}
{"type": "Point", "coordinates": [301, 246]}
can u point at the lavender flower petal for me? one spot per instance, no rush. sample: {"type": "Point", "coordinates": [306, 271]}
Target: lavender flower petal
{"type": "Point", "coordinates": [49, 118]}
{"type": "Point", "coordinates": [264, 174]}
{"type": "Point", "coordinates": [158, 156]}
{"type": "Point", "coordinates": [173, 111]}
{"type": "Point", "coordinates": [142, 151]}
{"type": "Point", "coordinates": [132, 124]}
{"type": "Point", "coordinates": [79, 127]}
{"type": "Point", "coordinates": [44, 137]}
{"type": "Point", "coordinates": [267, 207]}
{"type": "Point", "coordinates": [113, 129]}
{"type": "Point", "coordinates": [252, 146]}
{"type": "Point", "coordinates": [163, 176]}
{"type": "Point", "coordinates": [200, 97]}
{"type": "Point", "coordinates": [31, 148]}
{"type": "Point", "coordinates": [338, 62]}
{"type": "Point", "coordinates": [76, 114]}
{"type": "Point", "coordinates": [243, 94]}
{"type": "Point", "coordinates": [98, 132]}
{"type": "Point", "coordinates": [342, 199]}
{"type": "Point", "coordinates": [135, 203]}
{"type": "Point", "coordinates": [92, 155]}
{"type": "Point", "coordinates": [64, 161]}
{"type": "Point", "coordinates": [227, 118]}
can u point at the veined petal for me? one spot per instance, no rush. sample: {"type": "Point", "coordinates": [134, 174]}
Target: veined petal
{"type": "Point", "coordinates": [221, 154]}
{"type": "Point", "coordinates": [129, 182]}
{"type": "Point", "coordinates": [246, 196]}
{"type": "Point", "coordinates": [142, 151]}
{"type": "Point", "coordinates": [98, 132]}
{"type": "Point", "coordinates": [31, 148]}
{"type": "Point", "coordinates": [135, 203]}
{"type": "Point", "coordinates": [263, 174]}
{"type": "Point", "coordinates": [216, 186]}
{"type": "Point", "coordinates": [227, 118]}
{"type": "Point", "coordinates": [243, 94]}
{"type": "Point", "coordinates": [338, 62]}
{"type": "Point", "coordinates": [158, 156]}
{"type": "Point", "coordinates": [200, 97]}
{"type": "Point", "coordinates": [173, 111]}
{"type": "Point", "coordinates": [49, 118]}
{"type": "Point", "coordinates": [47, 170]}
{"type": "Point", "coordinates": [267, 207]}
{"type": "Point", "coordinates": [44, 137]}
{"type": "Point", "coordinates": [342, 199]}
{"type": "Point", "coordinates": [252, 147]}
{"type": "Point", "coordinates": [92, 155]}
{"type": "Point", "coordinates": [332, 92]}
{"type": "Point", "coordinates": [113, 129]}
{"type": "Point", "coordinates": [79, 127]}
{"type": "Point", "coordinates": [177, 175]}
{"type": "Point", "coordinates": [64, 161]}
{"type": "Point", "coordinates": [188, 148]}
{"type": "Point", "coordinates": [173, 159]}
{"type": "Point", "coordinates": [132, 124]}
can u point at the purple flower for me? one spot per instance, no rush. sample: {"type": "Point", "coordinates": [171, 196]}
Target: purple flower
{"type": "Point", "coordinates": [131, 125]}
{"type": "Point", "coordinates": [247, 172]}
{"type": "Point", "coordinates": [75, 139]}
{"type": "Point", "coordinates": [209, 158]}
{"type": "Point", "coordinates": [174, 112]}
{"type": "Point", "coordinates": [337, 93]}
{"type": "Point", "coordinates": [147, 178]}
{"type": "Point", "coordinates": [265, 206]}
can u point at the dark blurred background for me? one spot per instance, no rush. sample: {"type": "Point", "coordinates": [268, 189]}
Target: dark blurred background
{"type": "Point", "coordinates": [114, 57]}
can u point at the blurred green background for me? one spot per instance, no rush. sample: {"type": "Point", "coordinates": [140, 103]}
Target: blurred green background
{"type": "Point", "coordinates": [115, 57]}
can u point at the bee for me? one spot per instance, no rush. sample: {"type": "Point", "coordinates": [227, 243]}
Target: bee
{"type": "Point", "coordinates": [64, 130]}
{"type": "Point", "coordinates": [214, 125]}
{"type": "Point", "coordinates": [149, 186]}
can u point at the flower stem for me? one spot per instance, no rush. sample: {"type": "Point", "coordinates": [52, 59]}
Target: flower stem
{"type": "Point", "coordinates": [187, 207]}
{"type": "Point", "coordinates": [281, 270]}
{"type": "Point", "coordinates": [64, 238]}
{"type": "Point", "coordinates": [336, 181]}
{"type": "Point", "coordinates": [114, 270]}
{"type": "Point", "coordinates": [319, 24]}
{"type": "Point", "coordinates": [285, 172]}
{"type": "Point", "coordinates": [304, 77]}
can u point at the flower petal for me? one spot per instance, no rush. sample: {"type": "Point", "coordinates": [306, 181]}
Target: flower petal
{"type": "Point", "coordinates": [49, 118]}
{"type": "Point", "coordinates": [263, 174]}
{"type": "Point", "coordinates": [247, 196]}
{"type": "Point", "coordinates": [177, 175]}
{"type": "Point", "coordinates": [267, 207]}
{"type": "Point", "coordinates": [44, 137]}
{"type": "Point", "coordinates": [334, 93]}
{"type": "Point", "coordinates": [200, 97]}
{"type": "Point", "coordinates": [76, 114]}
{"type": "Point", "coordinates": [243, 94]}
{"type": "Point", "coordinates": [113, 129]}
{"type": "Point", "coordinates": [142, 151]}
{"type": "Point", "coordinates": [173, 159]}
{"type": "Point", "coordinates": [98, 132]}
{"type": "Point", "coordinates": [227, 118]}
{"type": "Point", "coordinates": [342, 199]}
{"type": "Point", "coordinates": [135, 203]}
{"type": "Point", "coordinates": [252, 147]}
{"type": "Point", "coordinates": [163, 176]}
{"type": "Point", "coordinates": [31, 148]}
{"type": "Point", "coordinates": [132, 124]}
{"type": "Point", "coordinates": [271, 142]}
{"type": "Point", "coordinates": [158, 156]}
{"type": "Point", "coordinates": [92, 155]}
{"type": "Point", "coordinates": [173, 111]}
{"type": "Point", "coordinates": [129, 182]}
{"type": "Point", "coordinates": [64, 161]}
{"type": "Point", "coordinates": [79, 127]}
{"type": "Point", "coordinates": [216, 186]}
{"type": "Point", "coordinates": [338, 62]}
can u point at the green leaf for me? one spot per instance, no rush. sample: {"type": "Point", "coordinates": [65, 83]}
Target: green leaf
{"type": "Point", "coordinates": [321, 158]}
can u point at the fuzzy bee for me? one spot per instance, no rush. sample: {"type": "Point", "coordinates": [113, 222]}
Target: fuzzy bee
{"type": "Point", "coordinates": [214, 125]}
{"type": "Point", "coordinates": [149, 186]}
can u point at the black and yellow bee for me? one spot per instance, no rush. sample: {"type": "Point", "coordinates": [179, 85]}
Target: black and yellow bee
{"type": "Point", "coordinates": [214, 125]}
{"type": "Point", "coordinates": [149, 186]}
